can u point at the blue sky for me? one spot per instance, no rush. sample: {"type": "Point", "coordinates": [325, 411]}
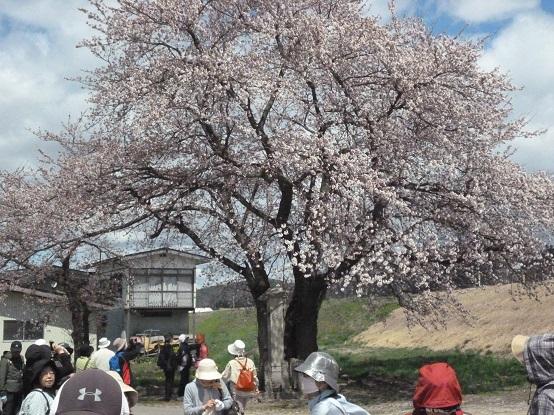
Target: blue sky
{"type": "Point", "coordinates": [38, 54]}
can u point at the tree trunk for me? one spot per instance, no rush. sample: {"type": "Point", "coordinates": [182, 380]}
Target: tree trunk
{"type": "Point", "coordinates": [77, 307]}
{"type": "Point", "coordinates": [258, 284]}
{"type": "Point", "coordinates": [300, 338]}
{"type": "Point", "coordinates": [77, 323]}
{"type": "Point", "coordinates": [262, 318]}
{"type": "Point", "coordinates": [86, 324]}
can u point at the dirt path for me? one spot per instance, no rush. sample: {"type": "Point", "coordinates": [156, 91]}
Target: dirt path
{"type": "Point", "coordinates": [513, 402]}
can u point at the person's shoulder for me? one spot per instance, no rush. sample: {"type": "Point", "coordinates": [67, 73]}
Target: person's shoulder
{"type": "Point", "coordinates": [325, 407]}
{"type": "Point", "coordinates": [191, 387]}
{"type": "Point", "coordinates": [35, 395]}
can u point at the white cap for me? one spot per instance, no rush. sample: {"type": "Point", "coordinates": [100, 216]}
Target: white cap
{"type": "Point", "coordinates": [182, 338]}
{"type": "Point", "coordinates": [41, 342]}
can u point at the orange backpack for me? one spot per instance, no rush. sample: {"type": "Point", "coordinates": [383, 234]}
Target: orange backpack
{"type": "Point", "coordinates": [245, 381]}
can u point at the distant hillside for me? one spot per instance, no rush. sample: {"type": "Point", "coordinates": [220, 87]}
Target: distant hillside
{"type": "Point", "coordinates": [499, 313]}
{"type": "Point", "coordinates": [228, 295]}
{"type": "Point", "coordinates": [235, 294]}
{"type": "Point", "coordinates": [231, 294]}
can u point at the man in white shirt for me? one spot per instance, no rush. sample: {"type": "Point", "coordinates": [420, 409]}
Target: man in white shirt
{"type": "Point", "coordinates": [100, 359]}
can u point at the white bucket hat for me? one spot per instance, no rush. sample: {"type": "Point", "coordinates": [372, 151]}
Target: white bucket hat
{"type": "Point", "coordinates": [207, 370]}
{"type": "Point", "coordinates": [518, 346]}
{"type": "Point", "coordinates": [103, 343]}
{"type": "Point", "coordinates": [236, 348]}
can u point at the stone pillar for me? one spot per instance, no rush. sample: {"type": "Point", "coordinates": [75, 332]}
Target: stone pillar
{"type": "Point", "coordinates": [276, 371]}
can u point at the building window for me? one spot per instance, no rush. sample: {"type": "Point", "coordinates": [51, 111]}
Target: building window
{"type": "Point", "coordinates": [23, 330]}
{"type": "Point", "coordinates": [162, 288]}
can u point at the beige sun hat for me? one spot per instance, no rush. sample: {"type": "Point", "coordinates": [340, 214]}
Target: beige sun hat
{"type": "Point", "coordinates": [130, 392]}
{"type": "Point", "coordinates": [518, 346]}
{"type": "Point", "coordinates": [119, 344]}
{"type": "Point", "coordinates": [207, 370]}
{"type": "Point", "coordinates": [236, 348]}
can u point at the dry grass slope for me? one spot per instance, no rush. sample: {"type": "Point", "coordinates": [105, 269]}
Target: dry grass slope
{"type": "Point", "coordinates": [498, 314]}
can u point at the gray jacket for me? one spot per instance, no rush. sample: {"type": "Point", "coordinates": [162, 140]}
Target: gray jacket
{"type": "Point", "coordinates": [196, 396]}
{"type": "Point", "coordinates": [328, 402]}
{"type": "Point", "coordinates": [538, 358]}
{"type": "Point", "coordinates": [11, 377]}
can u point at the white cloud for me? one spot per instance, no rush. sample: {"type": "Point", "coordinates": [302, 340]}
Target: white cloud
{"type": "Point", "coordinates": [525, 49]}
{"type": "Point", "coordinates": [478, 11]}
{"type": "Point", "coordinates": [37, 54]}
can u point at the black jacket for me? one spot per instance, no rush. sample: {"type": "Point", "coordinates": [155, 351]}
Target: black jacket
{"type": "Point", "coordinates": [63, 366]}
{"type": "Point", "coordinates": [167, 359]}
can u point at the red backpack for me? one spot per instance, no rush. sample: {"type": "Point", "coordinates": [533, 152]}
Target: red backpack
{"type": "Point", "coordinates": [438, 388]}
{"type": "Point", "coordinates": [245, 380]}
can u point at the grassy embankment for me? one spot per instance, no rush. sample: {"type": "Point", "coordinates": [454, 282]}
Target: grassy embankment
{"type": "Point", "coordinates": [369, 374]}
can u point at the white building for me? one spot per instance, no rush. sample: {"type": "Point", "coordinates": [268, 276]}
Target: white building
{"type": "Point", "coordinates": [157, 291]}
{"type": "Point", "coordinates": [30, 314]}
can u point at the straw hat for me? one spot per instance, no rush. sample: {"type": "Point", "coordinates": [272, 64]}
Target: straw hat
{"type": "Point", "coordinates": [119, 344]}
{"type": "Point", "coordinates": [236, 348]}
{"type": "Point", "coordinates": [103, 343]}
{"type": "Point", "coordinates": [207, 370]}
{"type": "Point", "coordinates": [518, 346]}
{"type": "Point", "coordinates": [130, 393]}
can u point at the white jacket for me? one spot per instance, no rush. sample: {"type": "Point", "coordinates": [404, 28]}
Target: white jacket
{"type": "Point", "coordinates": [100, 359]}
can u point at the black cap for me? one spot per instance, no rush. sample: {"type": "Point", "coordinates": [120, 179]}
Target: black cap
{"type": "Point", "coordinates": [15, 346]}
{"type": "Point", "coordinates": [90, 392]}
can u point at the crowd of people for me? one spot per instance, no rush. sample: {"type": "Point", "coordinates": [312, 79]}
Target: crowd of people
{"type": "Point", "coordinates": [34, 385]}
{"type": "Point", "coordinates": [47, 381]}
{"type": "Point", "coordinates": [100, 382]}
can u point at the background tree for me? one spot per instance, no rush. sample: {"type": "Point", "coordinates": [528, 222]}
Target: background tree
{"type": "Point", "coordinates": [47, 236]}
{"type": "Point", "coordinates": [305, 134]}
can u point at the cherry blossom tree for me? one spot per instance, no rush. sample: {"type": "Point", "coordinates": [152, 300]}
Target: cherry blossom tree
{"type": "Point", "coordinates": [47, 236]}
{"type": "Point", "coordinates": [306, 134]}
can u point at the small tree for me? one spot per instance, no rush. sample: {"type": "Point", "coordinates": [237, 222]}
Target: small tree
{"type": "Point", "coordinates": [303, 133]}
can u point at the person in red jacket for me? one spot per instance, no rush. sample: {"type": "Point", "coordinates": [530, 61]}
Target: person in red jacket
{"type": "Point", "coordinates": [201, 348]}
{"type": "Point", "coordinates": [437, 391]}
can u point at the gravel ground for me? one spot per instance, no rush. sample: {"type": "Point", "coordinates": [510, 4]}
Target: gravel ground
{"type": "Point", "coordinates": [513, 402]}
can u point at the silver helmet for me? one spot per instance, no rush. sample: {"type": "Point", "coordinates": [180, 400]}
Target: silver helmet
{"type": "Point", "coordinates": [321, 367]}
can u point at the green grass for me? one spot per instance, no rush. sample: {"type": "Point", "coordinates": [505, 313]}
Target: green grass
{"type": "Point", "coordinates": [392, 373]}
{"type": "Point", "coordinates": [375, 374]}
{"type": "Point", "coordinates": [341, 319]}
{"type": "Point", "coordinates": [146, 373]}
{"type": "Point", "coordinates": [223, 327]}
